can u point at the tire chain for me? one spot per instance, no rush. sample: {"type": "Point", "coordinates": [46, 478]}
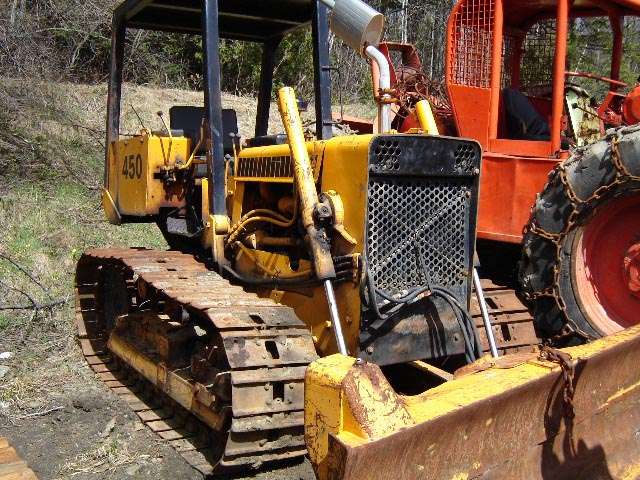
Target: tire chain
{"type": "Point", "coordinates": [564, 360]}
{"type": "Point", "coordinates": [579, 209]}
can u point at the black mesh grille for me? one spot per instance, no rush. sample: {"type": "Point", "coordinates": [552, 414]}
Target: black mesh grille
{"type": "Point", "coordinates": [413, 221]}
{"type": "Point", "coordinates": [465, 158]}
{"type": "Point", "coordinates": [421, 212]}
{"type": "Point", "coordinates": [388, 155]}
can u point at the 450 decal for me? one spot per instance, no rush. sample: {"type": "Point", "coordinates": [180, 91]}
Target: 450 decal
{"type": "Point", "coordinates": [132, 166]}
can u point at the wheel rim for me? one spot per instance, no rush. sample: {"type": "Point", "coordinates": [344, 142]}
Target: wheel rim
{"type": "Point", "coordinates": [606, 267]}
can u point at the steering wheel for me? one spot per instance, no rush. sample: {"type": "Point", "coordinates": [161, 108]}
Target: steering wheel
{"type": "Point", "coordinates": [611, 81]}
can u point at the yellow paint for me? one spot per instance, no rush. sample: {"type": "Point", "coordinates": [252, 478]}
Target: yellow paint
{"type": "Point", "coordinates": [301, 163]}
{"type": "Point", "coordinates": [267, 164]}
{"type": "Point", "coordinates": [110, 209]}
{"type": "Point", "coordinates": [178, 388]}
{"type": "Point", "coordinates": [132, 165]}
{"type": "Point", "coordinates": [204, 198]}
{"type": "Point", "coordinates": [622, 393]}
{"type": "Point", "coordinates": [426, 118]}
{"type": "Point", "coordinates": [460, 476]}
{"type": "Point", "coordinates": [323, 405]}
{"type": "Point", "coordinates": [263, 264]}
{"type": "Point", "coordinates": [328, 377]}
{"type": "Point", "coordinates": [632, 472]}
{"type": "Point", "coordinates": [339, 165]}
{"type": "Point", "coordinates": [345, 171]}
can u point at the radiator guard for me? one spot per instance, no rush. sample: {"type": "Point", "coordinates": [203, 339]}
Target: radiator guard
{"type": "Point", "coordinates": [422, 207]}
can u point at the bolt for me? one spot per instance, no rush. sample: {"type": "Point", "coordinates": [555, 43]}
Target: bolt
{"type": "Point", "coordinates": [359, 361]}
{"type": "Point", "coordinates": [266, 386]}
{"type": "Point", "coordinates": [291, 386]}
{"type": "Point", "coordinates": [631, 269]}
{"type": "Point", "coordinates": [370, 349]}
{"type": "Point", "coordinates": [476, 171]}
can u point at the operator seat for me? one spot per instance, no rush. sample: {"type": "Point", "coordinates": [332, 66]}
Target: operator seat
{"type": "Point", "coordinates": [523, 120]}
{"type": "Point", "coordinates": [189, 119]}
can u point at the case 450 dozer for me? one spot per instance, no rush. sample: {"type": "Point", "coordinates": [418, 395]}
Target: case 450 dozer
{"type": "Point", "coordinates": [320, 295]}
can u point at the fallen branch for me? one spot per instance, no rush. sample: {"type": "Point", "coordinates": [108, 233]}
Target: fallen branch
{"type": "Point", "coordinates": [35, 305]}
{"type": "Point", "coordinates": [40, 414]}
{"type": "Point", "coordinates": [21, 292]}
{"type": "Point", "coordinates": [25, 271]}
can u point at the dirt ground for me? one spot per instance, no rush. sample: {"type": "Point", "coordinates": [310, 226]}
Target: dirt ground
{"type": "Point", "coordinates": [86, 432]}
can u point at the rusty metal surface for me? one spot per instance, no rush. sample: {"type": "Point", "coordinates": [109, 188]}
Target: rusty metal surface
{"type": "Point", "coordinates": [242, 410]}
{"type": "Point", "coordinates": [12, 467]}
{"type": "Point", "coordinates": [424, 329]}
{"type": "Point", "coordinates": [524, 432]}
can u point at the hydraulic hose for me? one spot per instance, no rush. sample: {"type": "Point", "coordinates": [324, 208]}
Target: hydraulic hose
{"type": "Point", "coordinates": [370, 296]}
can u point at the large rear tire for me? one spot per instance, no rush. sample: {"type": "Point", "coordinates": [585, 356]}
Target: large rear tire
{"type": "Point", "coordinates": [580, 265]}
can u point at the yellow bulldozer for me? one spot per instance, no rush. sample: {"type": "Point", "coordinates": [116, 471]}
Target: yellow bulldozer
{"type": "Point", "coordinates": [320, 295]}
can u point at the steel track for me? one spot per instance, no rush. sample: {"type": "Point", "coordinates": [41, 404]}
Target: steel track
{"type": "Point", "coordinates": [266, 351]}
{"type": "Point", "coordinates": [513, 325]}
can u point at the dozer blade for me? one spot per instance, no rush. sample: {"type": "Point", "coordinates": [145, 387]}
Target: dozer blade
{"type": "Point", "coordinates": [525, 416]}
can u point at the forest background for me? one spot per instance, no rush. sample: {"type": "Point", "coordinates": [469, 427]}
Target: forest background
{"type": "Point", "coordinates": [69, 40]}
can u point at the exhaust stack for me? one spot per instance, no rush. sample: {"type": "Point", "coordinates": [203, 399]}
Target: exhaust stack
{"type": "Point", "coordinates": [361, 27]}
{"type": "Point", "coordinates": [355, 23]}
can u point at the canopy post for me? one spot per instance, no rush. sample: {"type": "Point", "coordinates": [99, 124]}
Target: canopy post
{"type": "Point", "coordinates": [322, 71]}
{"type": "Point", "coordinates": [213, 103]}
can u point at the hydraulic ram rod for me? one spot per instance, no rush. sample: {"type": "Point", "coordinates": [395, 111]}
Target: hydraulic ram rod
{"type": "Point", "coordinates": [485, 314]}
{"type": "Point", "coordinates": [335, 317]}
{"type": "Point", "coordinates": [304, 183]}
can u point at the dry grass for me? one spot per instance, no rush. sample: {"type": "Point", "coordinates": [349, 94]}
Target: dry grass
{"type": "Point", "coordinates": [108, 454]}
{"type": "Point", "coordinates": [45, 229]}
